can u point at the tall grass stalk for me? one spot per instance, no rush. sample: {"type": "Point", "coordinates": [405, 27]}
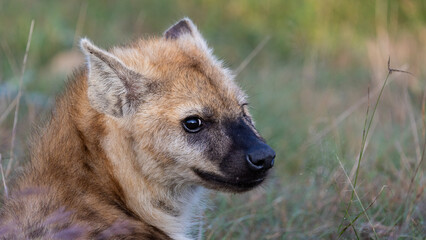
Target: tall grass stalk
{"type": "Point", "coordinates": [364, 210]}
{"type": "Point", "coordinates": [6, 192]}
{"type": "Point", "coordinates": [366, 130]}
{"type": "Point", "coordinates": [15, 119]}
{"type": "Point", "coordinates": [253, 54]}
{"type": "Point", "coordinates": [411, 207]}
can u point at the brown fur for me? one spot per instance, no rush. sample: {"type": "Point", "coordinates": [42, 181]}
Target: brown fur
{"type": "Point", "coordinates": [114, 160]}
{"type": "Point", "coordinates": [69, 170]}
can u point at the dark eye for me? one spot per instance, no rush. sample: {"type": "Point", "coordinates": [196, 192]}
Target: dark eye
{"type": "Point", "coordinates": [192, 124]}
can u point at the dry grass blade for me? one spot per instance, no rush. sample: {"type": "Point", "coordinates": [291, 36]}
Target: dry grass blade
{"type": "Point", "coordinates": [8, 109]}
{"type": "Point", "coordinates": [340, 119]}
{"type": "Point", "coordinates": [403, 156]}
{"type": "Point", "coordinates": [253, 54]}
{"type": "Point", "coordinates": [360, 203]}
{"type": "Point", "coordinates": [364, 211]}
{"type": "Point", "coordinates": [413, 124]}
{"type": "Point", "coordinates": [80, 22]}
{"type": "Point", "coordinates": [366, 131]}
{"type": "Point", "coordinates": [6, 192]}
{"type": "Point", "coordinates": [412, 182]}
{"type": "Point", "coordinates": [10, 58]}
{"type": "Point", "coordinates": [391, 70]}
{"type": "Point", "coordinates": [367, 142]}
{"type": "Point", "coordinates": [21, 80]}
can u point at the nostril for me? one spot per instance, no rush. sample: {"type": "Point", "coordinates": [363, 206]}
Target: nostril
{"type": "Point", "coordinates": [260, 158]}
{"type": "Point", "coordinates": [271, 160]}
{"type": "Point", "coordinates": [260, 163]}
{"type": "Point", "coordinates": [255, 164]}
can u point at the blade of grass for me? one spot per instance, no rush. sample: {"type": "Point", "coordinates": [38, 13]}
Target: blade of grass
{"type": "Point", "coordinates": [413, 123]}
{"type": "Point", "coordinates": [360, 214]}
{"type": "Point", "coordinates": [253, 54]}
{"type": "Point", "coordinates": [410, 209]}
{"type": "Point", "coordinates": [360, 203]}
{"type": "Point", "coordinates": [363, 141]}
{"type": "Point", "coordinates": [15, 120]}
{"type": "Point", "coordinates": [367, 141]}
{"type": "Point", "coordinates": [10, 57]}
{"type": "Point", "coordinates": [365, 133]}
{"type": "Point", "coordinates": [6, 192]}
{"type": "Point", "coordinates": [340, 119]}
{"type": "Point", "coordinates": [80, 21]}
{"type": "Point", "coordinates": [403, 156]}
{"type": "Point", "coordinates": [8, 109]}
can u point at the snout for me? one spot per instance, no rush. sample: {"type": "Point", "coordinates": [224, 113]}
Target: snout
{"type": "Point", "coordinates": [245, 165]}
{"type": "Point", "coordinates": [256, 154]}
{"type": "Point", "coordinates": [260, 158]}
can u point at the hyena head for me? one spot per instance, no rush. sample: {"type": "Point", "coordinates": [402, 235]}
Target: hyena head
{"type": "Point", "coordinates": [186, 118]}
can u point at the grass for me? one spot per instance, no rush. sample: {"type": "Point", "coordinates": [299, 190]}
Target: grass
{"type": "Point", "coordinates": [339, 171]}
{"type": "Point", "coordinates": [18, 99]}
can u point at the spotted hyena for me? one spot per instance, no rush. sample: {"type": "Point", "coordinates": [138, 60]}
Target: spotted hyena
{"type": "Point", "coordinates": [138, 135]}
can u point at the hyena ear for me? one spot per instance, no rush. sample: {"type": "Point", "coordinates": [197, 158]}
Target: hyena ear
{"type": "Point", "coordinates": [113, 88]}
{"type": "Point", "coordinates": [185, 29]}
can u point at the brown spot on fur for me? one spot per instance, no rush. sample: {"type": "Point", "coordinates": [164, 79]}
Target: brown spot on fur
{"type": "Point", "coordinates": [170, 210]}
{"type": "Point", "coordinates": [38, 232]}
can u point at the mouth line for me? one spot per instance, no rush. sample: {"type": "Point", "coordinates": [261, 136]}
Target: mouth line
{"type": "Point", "coordinates": [239, 185]}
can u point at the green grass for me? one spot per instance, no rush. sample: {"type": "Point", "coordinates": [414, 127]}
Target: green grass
{"type": "Point", "coordinates": [317, 67]}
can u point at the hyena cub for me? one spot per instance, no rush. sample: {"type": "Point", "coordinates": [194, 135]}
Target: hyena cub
{"type": "Point", "coordinates": [136, 137]}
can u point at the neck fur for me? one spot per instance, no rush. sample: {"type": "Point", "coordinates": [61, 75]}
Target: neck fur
{"type": "Point", "coordinates": [164, 204]}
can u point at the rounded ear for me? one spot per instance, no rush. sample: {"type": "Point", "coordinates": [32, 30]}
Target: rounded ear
{"type": "Point", "coordinates": [184, 26]}
{"type": "Point", "coordinates": [113, 88]}
{"type": "Point", "coordinates": [185, 30]}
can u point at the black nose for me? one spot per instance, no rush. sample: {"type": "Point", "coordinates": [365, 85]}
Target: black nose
{"type": "Point", "coordinates": [260, 158]}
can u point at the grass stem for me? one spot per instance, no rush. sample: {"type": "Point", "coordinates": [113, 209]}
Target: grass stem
{"type": "Point", "coordinates": [15, 119]}
{"type": "Point", "coordinates": [366, 130]}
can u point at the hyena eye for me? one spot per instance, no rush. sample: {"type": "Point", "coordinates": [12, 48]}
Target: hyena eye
{"type": "Point", "coordinates": [192, 124]}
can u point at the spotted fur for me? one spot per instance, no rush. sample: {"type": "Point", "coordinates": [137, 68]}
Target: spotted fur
{"type": "Point", "coordinates": [115, 162]}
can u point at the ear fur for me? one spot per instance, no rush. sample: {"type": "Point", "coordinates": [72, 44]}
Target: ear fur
{"type": "Point", "coordinates": [184, 26]}
{"type": "Point", "coordinates": [113, 88]}
{"type": "Point", "coordinates": [185, 30]}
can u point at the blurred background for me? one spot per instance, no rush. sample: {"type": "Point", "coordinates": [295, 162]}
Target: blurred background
{"type": "Point", "coordinates": [311, 69]}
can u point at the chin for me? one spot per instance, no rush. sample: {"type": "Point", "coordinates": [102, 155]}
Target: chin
{"type": "Point", "coordinates": [230, 184]}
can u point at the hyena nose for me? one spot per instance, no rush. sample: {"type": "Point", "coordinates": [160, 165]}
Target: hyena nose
{"type": "Point", "coordinates": [260, 158]}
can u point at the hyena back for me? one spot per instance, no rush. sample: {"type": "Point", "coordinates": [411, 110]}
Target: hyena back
{"type": "Point", "coordinates": [138, 134]}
